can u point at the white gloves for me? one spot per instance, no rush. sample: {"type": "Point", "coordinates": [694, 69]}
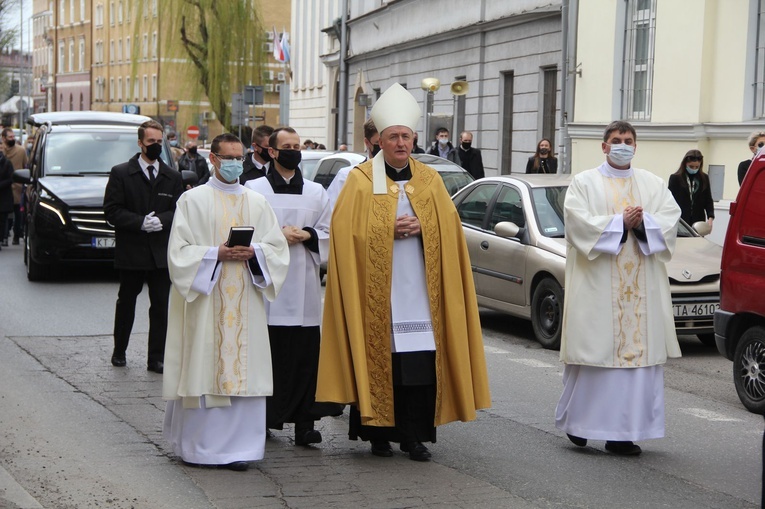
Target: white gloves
{"type": "Point", "coordinates": [151, 224]}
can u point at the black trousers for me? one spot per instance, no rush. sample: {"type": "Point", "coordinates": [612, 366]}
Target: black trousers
{"type": "Point", "coordinates": [18, 219]}
{"type": "Point", "coordinates": [131, 284]}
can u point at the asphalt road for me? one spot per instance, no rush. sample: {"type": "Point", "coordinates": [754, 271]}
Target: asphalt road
{"type": "Point", "coordinates": [76, 432]}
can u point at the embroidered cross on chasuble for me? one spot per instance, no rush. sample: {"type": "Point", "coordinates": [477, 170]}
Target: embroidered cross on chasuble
{"type": "Point", "coordinates": [628, 283]}
{"type": "Point", "coordinates": [231, 303]}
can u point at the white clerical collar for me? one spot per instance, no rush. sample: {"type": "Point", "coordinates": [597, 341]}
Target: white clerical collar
{"type": "Point", "coordinates": [218, 184]}
{"type": "Point", "coordinates": [609, 171]}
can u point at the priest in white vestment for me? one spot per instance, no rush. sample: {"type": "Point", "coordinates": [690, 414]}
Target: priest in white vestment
{"type": "Point", "coordinates": [294, 318]}
{"type": "Point", "coordinates": [618, 330]}
{"type": "Point", "coordinates": [217, 358]}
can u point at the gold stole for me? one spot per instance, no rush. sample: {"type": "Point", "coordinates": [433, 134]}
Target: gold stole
{"type": "Point", "coordinates": [231, 303]}
{"type": "Point", "coordinates": [627, 282]}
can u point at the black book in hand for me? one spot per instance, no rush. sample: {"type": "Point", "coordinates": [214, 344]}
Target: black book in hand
{"type": "Point", "coordinates": [240, 236]}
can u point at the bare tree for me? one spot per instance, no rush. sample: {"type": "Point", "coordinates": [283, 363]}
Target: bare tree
{"type": "Point", "coordinates": [221, 42]}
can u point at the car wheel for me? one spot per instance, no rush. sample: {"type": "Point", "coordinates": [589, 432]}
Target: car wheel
{"type": "Point", "coordinates": [707, 339]}
{"type": "Point", "coordinates": [35, 271]}
{"type": "Point", "coordinates": [547, 313]}
{"type": "Point", "coordinates": [749, 369]}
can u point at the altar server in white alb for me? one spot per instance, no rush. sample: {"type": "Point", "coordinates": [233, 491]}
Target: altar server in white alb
{"type": "Point", "coordinates": [303, 211]}
{"type": "Point", "coordinates": [621, 227]}
{"type": "Point", "coordinates": [217, 357]}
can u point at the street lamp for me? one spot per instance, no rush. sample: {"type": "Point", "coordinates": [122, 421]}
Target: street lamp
{"type": "Point", "coordinates": [430, 85]}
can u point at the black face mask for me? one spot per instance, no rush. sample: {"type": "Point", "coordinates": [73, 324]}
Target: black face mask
{"type": "Point", "coordinates": [375, 149]}
{"type": "Point", "coordinates": [289, 159]}
{"type": "Point", "coordinates": [193, 151]}
{"type": "Point", "coordinates": [153, 151]}
{"type": "Point", "coordinates": [264, 154]}
{"type": "Point", "coordinates": [10, 143]}
{"type": "Point", "coordinates": [466, 145]}
{"type": "Point", "coordinates": [544, 151]}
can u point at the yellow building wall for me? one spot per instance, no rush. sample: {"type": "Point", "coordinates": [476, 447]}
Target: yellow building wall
{"type": "Point", "coordinates": [595, 43]}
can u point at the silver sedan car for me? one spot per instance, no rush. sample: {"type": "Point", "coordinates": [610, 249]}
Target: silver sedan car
{"type": "Point", "coordinates": [515, 235]}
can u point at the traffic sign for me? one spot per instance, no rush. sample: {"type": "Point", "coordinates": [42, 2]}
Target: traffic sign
{"type": "Point", "coordinates": [172, 105]}
{"type": "Point", "coordinates": [192, 132]}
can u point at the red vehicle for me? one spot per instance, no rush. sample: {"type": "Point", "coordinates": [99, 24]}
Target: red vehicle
{"type": "Point", "coordinates": [740, 321]}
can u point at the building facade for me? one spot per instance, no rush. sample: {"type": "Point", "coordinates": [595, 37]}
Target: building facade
{"type": "Point", "coordinates": [509, 53]}
{"type": "Point", "coordinates": [70, 33]}
{"type": "Point", "coordinates": [689, 74]}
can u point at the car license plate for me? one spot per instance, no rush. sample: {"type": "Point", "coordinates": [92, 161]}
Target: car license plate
{"type": "Point", "coordinates": [695, 310]}
{"type": "Point", "coordinates": [102, 242]}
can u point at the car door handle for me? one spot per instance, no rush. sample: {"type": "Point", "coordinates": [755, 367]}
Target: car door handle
{"type": "Point", "coordinates": [485, 245]}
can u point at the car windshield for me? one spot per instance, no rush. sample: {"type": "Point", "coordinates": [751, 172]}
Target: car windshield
{"type": "Point", "coordinates": [455, 180]}
{"type": "Point", "coordinates": [90, 152]}
{"type": "Point", "coordinates": [548, 204]}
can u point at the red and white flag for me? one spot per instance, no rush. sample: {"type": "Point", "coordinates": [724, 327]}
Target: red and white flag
{"type": "Point", "coordinates": [278, 52]}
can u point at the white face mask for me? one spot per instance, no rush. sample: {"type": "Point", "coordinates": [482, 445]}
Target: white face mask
{"type": "Point", "coordinates": [443, 141]}
{"type": "Point", "coordinates": [621, 154]}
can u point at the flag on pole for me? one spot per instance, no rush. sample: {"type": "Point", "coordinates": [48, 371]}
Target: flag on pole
{"type": "Point", "coordinates": [285, 45]}
{"type": "Point", "coordinates": [278, 54]}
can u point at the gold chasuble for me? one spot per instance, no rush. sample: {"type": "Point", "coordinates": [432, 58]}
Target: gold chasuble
{"type": "Point", "coordinates": [355, 356]}
{"type": "Point", "coordinates": [628, 282]}
{"type": "Point", "coordinates": [229, 299]}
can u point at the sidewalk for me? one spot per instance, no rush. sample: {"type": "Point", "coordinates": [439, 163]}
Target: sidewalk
{"type": "Point", "coordinates": [81, 433]}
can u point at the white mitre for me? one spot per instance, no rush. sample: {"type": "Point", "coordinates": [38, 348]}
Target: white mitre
{"type": "Point", "coordinates": [396, 106]}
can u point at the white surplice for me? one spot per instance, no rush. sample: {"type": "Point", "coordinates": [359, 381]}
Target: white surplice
{"type": "Point", "coordinates": [217, 355]}
{"type": "Point", "coordinates": [619, 329]}
{"type": "Point", "coordinates": [299, 303]}
{"type": "Point", "coordinates": [412, 328]}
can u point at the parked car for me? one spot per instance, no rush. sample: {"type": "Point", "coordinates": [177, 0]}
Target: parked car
{"type": "Point", "coordinates": [68, 170]}
{"type": "Point", "coordinates": [740, 321]}
{"type": "Point", "coordinates": [455, 177]}
{"type": "Point", "coordinates": [515, 235]}
{"type": "Point", "coordinates": [309, 159]}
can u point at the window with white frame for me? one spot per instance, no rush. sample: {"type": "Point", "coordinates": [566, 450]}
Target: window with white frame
{"type": "Point", "coordinates": [119, 12]}
{"type": "Point", "coordinates": [759, 63]}
{"type": "Point", "coordinates": [145, 47]}
{"type": "Point", "coordinates": [71, 56]}
{"type": "Point", "coordinates": [119, 50]}
{"type": "Point", "coordinates": [119, 89]}
{"type": "Point", "coordinates": [112, 92]}
{"type": "Point", "coordinates": [127, 11]}
{"type": "Point", "coordinates": [154, 45]}
{"type": "Point", "coordinates": [111, 14]}
{"type": "Point", "coordinates": [127, 88]}
{"type": "Point", "coordinates": [127, 50]}
{"type": "Point", "coordinates": [99, 15]}
{"type": "Point", "coordinates": [71, 11]}
{"type": "Point", "coordinates": [61, 12]}
{"type": "Point", "coordinates": [154, 8]}
{"type": "Point", "coordinates": [81, 62]}
{"type": "Point", "coordinates": [154, 87]}
{"type": "Point", "coordinates": [135, 89]}
{"type": "Point", "coordinates": [61, 56]}
{"type": "Point", "coordinates": [111, 50]}
{"type": "Point", "coordinates": [82, 10]}
{"type": "Point", "coordinates": [145, 87]}
{"type": "Point", "coordinates": [640, 34]}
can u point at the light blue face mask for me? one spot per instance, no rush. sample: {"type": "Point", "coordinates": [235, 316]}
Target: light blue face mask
{"type": "Point", "coordinates": [691, 170]}
{"type": "Point", "coordinates": [621, 154]}
{"type": "Point", "coordinates": [230, 170]}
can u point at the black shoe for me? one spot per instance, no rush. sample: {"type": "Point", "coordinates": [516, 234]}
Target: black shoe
{"type": "Point", "coordinates": [416, 450]}
{"type": "Point", "coordinates": [307, 437]}
{"type": "Point", "coordinates": [119, 361]}
{"type": "Point", "coordinates": [237, 466]}
{"type": "Point", "coordinates": [16, 241]}
{"type": "Point", "coordinates": [156, 366]}
{"type": "Point", "coordinates": [578, 441]}
{"type": "Point", "coordinates": [4, 243]}
{"type": "Point", "coordinates": [623, 448]}
{"type": "Point", "coordinates": [381, 448]}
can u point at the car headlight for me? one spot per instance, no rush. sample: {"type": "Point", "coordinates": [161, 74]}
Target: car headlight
{"type": "Point", "coordinates": [53, 209]}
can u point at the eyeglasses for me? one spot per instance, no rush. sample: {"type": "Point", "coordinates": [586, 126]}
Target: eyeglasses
{"type": "Point", "coordinates": [229, 158]}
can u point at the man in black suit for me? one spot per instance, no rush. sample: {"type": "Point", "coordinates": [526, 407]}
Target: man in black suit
{"type": "Point", "coordinates": [470, 157]}
{"type": "Point", "coordinates": [257, 162]}
{"type": "Point", "coordinates": [140, 202]}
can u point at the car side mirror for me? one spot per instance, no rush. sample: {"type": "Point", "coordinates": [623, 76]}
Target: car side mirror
{"type": "Point", "coordinates": [702, 228]}
{"type": "Point", "coordinates": [507, 229]}
{"type": "Point", "coordinates": [22, 176]}
{"type": "Point", "coordinates": [190, 178]}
